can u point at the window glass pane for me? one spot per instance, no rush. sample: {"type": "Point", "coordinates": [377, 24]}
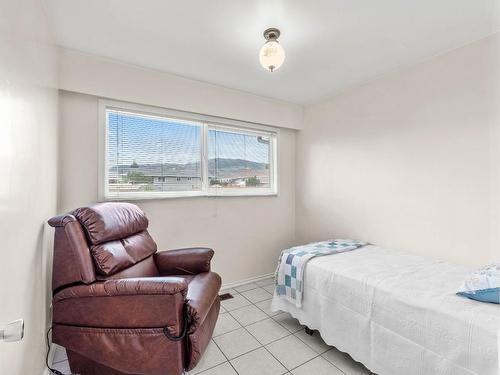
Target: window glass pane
{"type": "Point", "coordinates": [238, 160]}
{"type": "Point", "coordinates": [152, 154]}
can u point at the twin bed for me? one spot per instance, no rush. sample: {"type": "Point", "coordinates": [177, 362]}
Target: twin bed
{"type": "Point", "coordinates": [398, 313]}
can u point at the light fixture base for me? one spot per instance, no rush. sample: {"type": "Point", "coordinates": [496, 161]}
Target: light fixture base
{"type": "Point", "coordinates": [272, 33]}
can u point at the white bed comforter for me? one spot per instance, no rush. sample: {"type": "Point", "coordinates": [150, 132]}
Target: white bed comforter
{"type": "Point", "coordinates": [398, 314]}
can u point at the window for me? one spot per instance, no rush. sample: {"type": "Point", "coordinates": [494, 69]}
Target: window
{"type": "Point", "coordinates": [156, 153]}
{"type": "Point", "coordinates": [237, 159]}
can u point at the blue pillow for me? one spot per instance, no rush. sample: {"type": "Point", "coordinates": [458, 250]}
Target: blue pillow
{"type": "Point", "coordinates": [483, 285]}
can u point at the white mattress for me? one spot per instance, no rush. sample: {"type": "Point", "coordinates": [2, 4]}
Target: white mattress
{"type": "Point", "coordinates": [398, 314]}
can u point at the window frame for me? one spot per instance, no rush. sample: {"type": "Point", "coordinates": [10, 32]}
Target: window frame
{"type": "Point", "coordinates": [206, 123]}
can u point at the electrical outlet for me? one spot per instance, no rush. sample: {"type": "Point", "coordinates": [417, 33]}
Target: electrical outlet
{"type": "Point", "coordinates": [14, 331]}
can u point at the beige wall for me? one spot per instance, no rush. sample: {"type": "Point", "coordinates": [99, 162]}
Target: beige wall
{"type": "Point", "coordinates": [89, 74]}
{"type": "Point", "coordinates": [409, 161]}
{"type": "Point", "coordinates": [28, 181]}
{"type": "Point", "coordinates": [246, 232]}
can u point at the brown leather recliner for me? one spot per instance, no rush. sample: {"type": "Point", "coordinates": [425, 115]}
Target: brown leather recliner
{"type": "Point", "coordinates": [121, 307]}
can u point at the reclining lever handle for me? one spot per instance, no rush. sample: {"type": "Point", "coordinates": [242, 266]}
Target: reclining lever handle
{"type": "Point", "coordinates": [184, 329]}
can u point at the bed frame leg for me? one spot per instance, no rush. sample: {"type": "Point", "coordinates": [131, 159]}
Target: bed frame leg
{"type": "Point", "coordinates": [309, 331]}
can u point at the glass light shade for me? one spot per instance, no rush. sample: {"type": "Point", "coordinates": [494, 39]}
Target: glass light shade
{"type": "Point", "coordinates": [272, 55]}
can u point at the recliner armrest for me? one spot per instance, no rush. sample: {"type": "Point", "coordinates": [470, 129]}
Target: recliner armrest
{"type": "Point", "coordinates": [124, 303]}
{"type": "Point", "coordinates": [203, 291]}
{"type": "Point", "coordinates": [190, 261]}
{"type": "Point", "coordinates": [126, 287]}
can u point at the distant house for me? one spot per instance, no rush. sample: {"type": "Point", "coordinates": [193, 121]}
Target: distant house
{"type": "Point", "coordinates": [176, 182]}
{"type": "Point", "coordinates": [230, 173]}
{"type": "Point", "coordinates": [155, 177]}
{"type": "Point", "coordinates": [239, 182]}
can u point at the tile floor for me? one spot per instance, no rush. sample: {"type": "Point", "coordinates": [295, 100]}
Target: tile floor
{"type": "Point", "coordinates": [249, 339]}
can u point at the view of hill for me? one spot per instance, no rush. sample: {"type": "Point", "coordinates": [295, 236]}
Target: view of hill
{"type": "Point", "coordinates": [234, 164]}
{"type": "Point", "coordinates": [221, 165]}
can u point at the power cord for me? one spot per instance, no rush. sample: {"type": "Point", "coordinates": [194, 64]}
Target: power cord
{"type": "Point", "coordinates": [52, 370]}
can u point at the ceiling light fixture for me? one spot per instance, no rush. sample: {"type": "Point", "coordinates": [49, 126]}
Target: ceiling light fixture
{"type": "Point", "coordinates": [272, 54]}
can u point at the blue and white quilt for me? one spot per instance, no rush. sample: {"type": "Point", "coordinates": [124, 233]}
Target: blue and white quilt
{"type": "Point", "coordinates": [290, 272]}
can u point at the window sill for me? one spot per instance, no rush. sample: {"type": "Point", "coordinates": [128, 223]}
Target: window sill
{"type": "Point", "coordinates": [147, 197]}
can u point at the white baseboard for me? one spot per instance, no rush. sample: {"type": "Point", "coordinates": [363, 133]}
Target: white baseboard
{"type": "Point", "coordinates": [246, 281]}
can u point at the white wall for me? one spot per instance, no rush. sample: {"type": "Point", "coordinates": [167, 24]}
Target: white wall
{"type": "Point", "coordinates": [409, 161]}
{"type": "Point", "coordinates": [28, 180]}
{"type": "Point", "coordinates": [247, 233]}
{"type": "Point", "coordinates": [89, 74]}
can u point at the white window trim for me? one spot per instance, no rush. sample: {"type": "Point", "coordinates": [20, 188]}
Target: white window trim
{"type": "Point", "coordinates": [206, 122]}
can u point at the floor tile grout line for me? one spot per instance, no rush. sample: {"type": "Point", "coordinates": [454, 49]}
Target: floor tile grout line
{"type": "Point", "coordinates": [248, 300]}
{"type": "Point", "coordinates": [250, 351]}
{"type": "Point", "coordinates": [285, 326]}
{"type": "Point", "coordinates": [242, 296]}
{"type": "Point", "coordinates": [261, 345]}
{"type": "Point", "coordinates": [232, 330]}
{"type": "Point", "coordinates": [333, 364]}
{"type": "Point", "coordinates": [247, 290]}
{"type": "Point", "coordinates": [239, 355]}
{"type": "Point", "coordinates": [208, 368]}
{"type": "Point", "coordinates": [259, 287]}
{"type": "Point", "coordinates": [238, 308]}
{"type": "Point", "coordinates": [257, 321]}
{"type": "Point", "coordinates": [273, 341]}
{"type": "Point", "coordinates": [289, 334]}
{"type": "Point", "coordinates": [254, 282]}
{"type": "Point", "coordinates": [309, 346]}
{"type": "Point", "coordinates": [309, 360]}
{"type": "Point", "coordinates": [228, 331]}
{"type": "Point", "coordinates": [251, 303]}
{"type": "Point", "coordinates": [295, 334]}
{"type": "Point", "coordinates": [281, 338]}
{"type": "Point", "coordinates": [266, 349]}
{"type": "Point", "coordinates": [225, 356]}
{"type": "Point", "coordinates": [320, 355]}
{"type": "Point", "coordinates": [263, 309]}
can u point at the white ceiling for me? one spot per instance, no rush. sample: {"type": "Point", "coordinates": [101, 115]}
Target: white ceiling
{"type": "Point", "coordinates": [330, 44]}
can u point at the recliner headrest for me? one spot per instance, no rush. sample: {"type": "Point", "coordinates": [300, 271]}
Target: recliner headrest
{"type": "Point", "coordinates": [111, 221]}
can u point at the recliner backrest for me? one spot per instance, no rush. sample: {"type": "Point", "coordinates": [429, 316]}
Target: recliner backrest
{"type": "Point", "coordinates": [102, 241]}
{"type": "Point", "coordinates": [117, 235]}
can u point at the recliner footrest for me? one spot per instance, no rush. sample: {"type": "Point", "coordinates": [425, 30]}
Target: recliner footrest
{"type": "Point", "coordinates": [106, 346]}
